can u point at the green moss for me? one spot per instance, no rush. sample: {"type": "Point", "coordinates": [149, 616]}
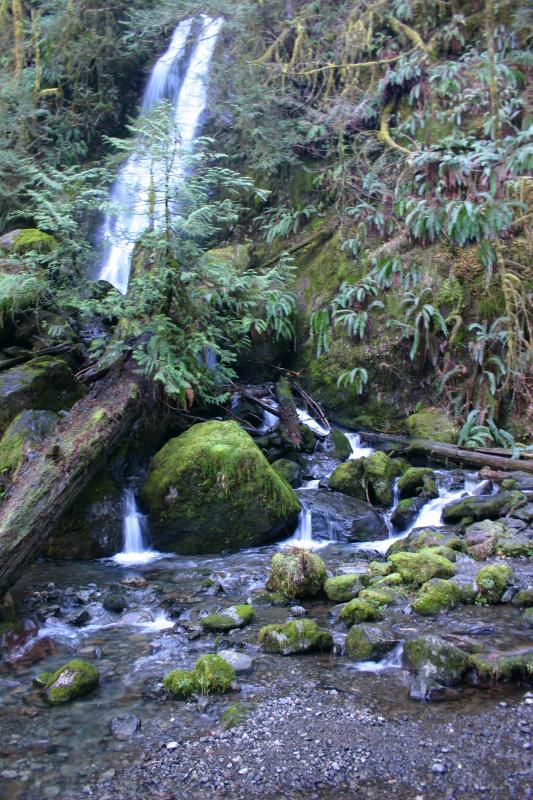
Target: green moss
{"type": "Point", "coordinates": [436, 595]}
{"type": "Point", "coordinates": [210, 675]}
{"type": "Point", "coordinates": [288, 470]}
{"type": "Point", "coordinates": [483, 508]}
{"type": "Point", "coordinates": [341, 444]}
{"type": "Point", "coordinates": [233, 617]}
{"type": "Point", "coordinates": [379, 569]}
{"type": "Point", "coordinates": [367, 477]}
{"type": "Point", "coordinates": [28, 429]}
{"type": "Point", "coordinates": [360, 610]}
{"type": "Point", "coordinates": [527, 617]}
{"type": "Point", "coordinates": [33, 239]}
{"type": "Point", "coordinates": [379, 595]}
{"type": "Point", "coordinates": [299, 636]}
{"type": "Point", "coordinates": [367, 643]}
{"type": "Point", "coordinates": [432, 423]}
{"type": "Point", "coordinates": [448, 663]}
{"type": "Point", "coordinates": [233, 716]}
{"type": "Point", "coordinates": [417, 568]}
{"type": "Point", "coordinates": [523, 598]}
{"type": "Point", "coordinates": [348, 478]}
{"type": "Point", "coordinates": [392, 580]}
{"type": "Point", "coordinates": [502, 668]}
{"type": "Point", "coordinates": [212, 489]}
{"type": "Point", "coordinates": [451, 294]}
{"type": "Point", "coordinates": [297, 573]}
{"type": "Point", "coordinates": [75, 679]}
{"type": "Point", "coordinates": [98, 416]}
{"type": "Point", "coordinates": [418, 481]}
{"type": "Point", "coordinates": [492, 581]}
{"type": "Point", "coordinates": [342, 588]}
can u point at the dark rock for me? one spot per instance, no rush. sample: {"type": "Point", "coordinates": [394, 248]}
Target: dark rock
{"type": "Point", "coordinates": [81, 619]}
{"type": "Point", "coordinates": [348, 519]}
{"type": "Point", "coordinates": [114, 602]}
{"type": "Point", "coordinates": [124, 726]}
{"type": "Point", "coordinates": [484, 507]}
{"type": "Point", "coordinates": [406, 511]}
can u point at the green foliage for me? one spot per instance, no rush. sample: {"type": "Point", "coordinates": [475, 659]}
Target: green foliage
{"type": "Point", "coordinates": [356, 379]}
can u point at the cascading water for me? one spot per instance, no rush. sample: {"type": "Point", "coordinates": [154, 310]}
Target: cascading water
{"type": "Point", "coordinates": [358, 450]}
{"type": "Point", "coordinates": [134, 534]}
{"type": "Point", "coordinates": [306, 419]}
{"type": "Point", "coordinates": [132, 195]}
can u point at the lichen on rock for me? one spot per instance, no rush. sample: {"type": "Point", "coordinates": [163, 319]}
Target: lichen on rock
{"type": "Point", "coordinates": [291, 638]}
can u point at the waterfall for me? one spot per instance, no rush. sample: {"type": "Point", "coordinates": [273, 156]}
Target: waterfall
{"type": "Point", "coordinates": [131, 192]}
{"type": "Point", "coordinates": [358, 450]}
{"type": "Point", "coordinates": [306, 419]}
{"type": "Point", "coordinates": [134, 535]}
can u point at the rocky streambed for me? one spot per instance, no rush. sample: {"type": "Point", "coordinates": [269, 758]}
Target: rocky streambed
{"type": "Point", "coordinates": [337, 721]}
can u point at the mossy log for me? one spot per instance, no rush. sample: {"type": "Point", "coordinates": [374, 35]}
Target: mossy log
{"type": "Point", "coordinates": [450, 452]}
{"type": "Point", "coordinates": [288, 414]}
{"type": "Point", "coordinates": [47, 486]}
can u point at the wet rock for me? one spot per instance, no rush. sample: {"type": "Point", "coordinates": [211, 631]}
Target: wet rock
{"type": "Point", "coordinates": [417, 568]}
{"type": "Point", "coordinates": [134, 581]}
{"type": "Point", "coordinates": [406, 512]}
{"type": "Point", "coordinates": [502, 667]}
{"type": "Point", "coordinates": [114, 601]}
{"type": "Point", "coordinates": [418, 481]}
{"type": "Point", "coordinates": [427, 537]}
{"type": "Point", "coordinates": [492, 581]}
{"type": "Point", "coordinates": [525, 513]}
{"type": "Point", "coordinates": [81, 619]}
{"type": "Point", "coordinates": [73, 680]}
{"type": "Point", "coordinates": [425, 689]}
{"type": "Point", "coordinates": [289, 471]}
{"type": "Point", "coordinates": [211, 675]}
{"type": "Point", "coordinates": [297, 573]}
{"type": "Point", "coordinates": [481, 538]}
{"type": "Point", "coordinates": [368, 643]}
{"type": "Point", "coordinates": [297, 611]}
{"type": "Point", "coordinates": [346, 518]}
{"type": "Point", "coordinates": [300, 636]}
{"type": "Point", "coordinates": [342, 588]}
{"type": "Point", "coordinates": [239, 661]}
{"type": "Point", "coordinates": [483, 508]}
{"type": "Point", "coordinates": [527, 618]}
{"type": "Point", "coordinates": [83, 597]}
{"type": "Point", "coordinates": [211, 489]}
{"type": "Point", "coordinates": [436, 659]}
{"type": "Point", "coordinates": [436, 595]}
{"type": "Point", "coordinates": [360, 610]}
{"type": "Point", "coordinates": [25, 433]}
{"type": "Point", "coordinates": [341, 444]}
{"type": "Point", "coordinates": [367, 478]}
{"type": "Point", "coordinates": [124, 726]}
{"type": "Point", "coordinates": [228, 619]}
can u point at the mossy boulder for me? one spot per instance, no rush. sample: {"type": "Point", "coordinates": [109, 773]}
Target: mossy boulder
{"type": "Point", "coordinates": [498, 667]}
{"type": "Point", "coordinates": [210, 675]}
{"type": "Point", "coordinates": [422, 538]}
{"type": "Point", "coordinates": [481, 538]}
{"type": "Point", "coordinates": [75, 679]}
{"type": "Point", "coordinates": [24, 240]}
{"type": "Point", "coordinates": [349, 479]}
{"type": "Point", "coordinates": [418, 481]}
{"type": "Point", "coordinates": [523, 598]}
{"type": "Point", "coordinates": [360, 610]}
{"type": "Point", "coordinates": [492, 581]}
{"type": "Point", "coordinates": [26, 431]}
{"type": "Point", "coordinates": [443, 662]}
{"type": "Point", "coordinates": [342, 588]}
{"type": "Point", "coordinates": [368, 643]}
{"type": "Point", "coordinates": [228, 619]}
{"type": "Point", "coordinates": [341, 444]}
{"type": "Point", "coordinates": [369, 477]}
{"type": "Point", "coordinates": [483, 507]}
{"type": "Point", "coordinates": [406, 512]}
{"type": "Point", "coordinates": [291, 638]}
{"type": "Point", "coordinates": [378, 569]}
{"type": "Point", "coordinates": [297, 573]}
{"type": "Point", "coordinates": [436, 595]}
{"type": "Point", "coordinates": [432, 423]}
{"type": "Point", "coordinates": [211, 489]}
{"type": "Point", "coordinates": [288, 470]}
{"type": "Point", "coordinates": [417, 568]}
{"type": "Point", "coordinates": [42, 383]}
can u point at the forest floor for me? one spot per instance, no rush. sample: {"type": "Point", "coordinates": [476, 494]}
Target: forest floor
{"type": "Point", "coordinates": [314, 740]}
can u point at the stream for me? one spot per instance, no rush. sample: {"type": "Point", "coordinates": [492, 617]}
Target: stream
{"type": "Point", "coordinates": [45, 751]}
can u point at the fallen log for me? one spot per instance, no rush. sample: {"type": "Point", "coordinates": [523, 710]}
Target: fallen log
{"type": "Point", "coordinates": [45, 487]}
{"type": "Point", "coordinates": [444, 452]}
{"type": "Point", "coordinates": [288, 413]}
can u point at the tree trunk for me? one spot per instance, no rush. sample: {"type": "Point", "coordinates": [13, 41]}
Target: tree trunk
{"type": "Point", "coordinates": [16, 10]}
{"type": "Point", "coordinates": [288, 415]}
{"type": "Point", "coordinates": [47, 486]}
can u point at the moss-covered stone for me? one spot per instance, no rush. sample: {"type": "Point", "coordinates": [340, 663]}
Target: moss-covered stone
{"type": "Point", "coordinates": [417, 568]}
{"type": "Point", "coordinates": [42, 383]}
{"type": "Point", "coordinates": [418, 481]}
{"type": "Point", "coordinates": [436, 595]}
{"type": "Point", "coordinates": [432, 423]}
{"type": "Point", "coordinates": [228, 619]}
{"type": "Point", "coordinates": [483, 508]}
{"type": "Point", "coordinates": [342, 588]}
{"type": "Point", "coordinates": [367, 478]}
{"type": "Point", "coordinates": [496, 668]}
{"type": "Point", "coordinates": [527, 617]}
{"type": "Point", "coordinates": [298, 636]}
{"type": "Point", "coordinates": [394, 580]}
{"type": "Point", "coordinates": [297, 573]}
{"type": "Point", "coordinates": [341, 444]}
{"type": "Point", "coordinates": [211, 489]}
{"type": "Point", "coordinates": [492, 581]}
{"type": "Point", "coordinates": [523, 598]}
{"type": "Point", "coordinates": [379, 569]}
{"type": "Point", "coordinates": [288, 470]}
{"type": "Point", "coordinates": [24, 433]}
{"type": "Point", "coordinates": [210, 675]}
{"type": "Point", "coordinates": [442, 661]}
{"type": "Point", "coordinates": [406, 512]}
{"type": "Point", "coordinates": [379, 595]}
{"type": "Point", "coordinates": [427, 537]}
{"type": "Point", "coordinates": [33, 239]}
{"type": "Point", "coordinates": [349, 479]}
{"type": "Point", "coordinates": [367, 643]}
{"type": "Point", "coordinates": [75, 679]}
{"type": "Point", "coordinates": [360, 610]}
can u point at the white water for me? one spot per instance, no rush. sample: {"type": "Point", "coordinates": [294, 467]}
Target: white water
{"type": "Point", "coordinates": [392, 660]}
{"type": "Point", "coordinates": [131, 194]}
{"type": "Point", "coordinates": [307, 420]}
{"type": "Point", "coordinates": [358, 450]}
{"type": "Point", "coordinates": [303, 535]}
{"type": "Point", "coordinates": [134, 527]}
{"type": "Point", "coordinates": [269, 420]}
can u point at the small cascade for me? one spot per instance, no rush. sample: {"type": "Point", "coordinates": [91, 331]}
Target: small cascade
{"type": "Point", "coordinates": [307, 420]}
{"type": "Point", "coordinates": [132, 195]}
{"type": "Point", "coordinates": [134, 535]}
{"type": "Point", "coordinates": [358, 450]}
{"type": "Point", "coordinates": [392, 660]}
{"type": "Point", "coordinates": [269, 420]}
{"type": "Point", "coordinates": [303, 535]}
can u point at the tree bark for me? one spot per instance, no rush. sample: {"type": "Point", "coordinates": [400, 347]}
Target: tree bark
{"type": "Point", "coordinates": [47, 486]}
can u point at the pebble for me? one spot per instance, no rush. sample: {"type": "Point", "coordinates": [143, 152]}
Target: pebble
{"type": "Point", "coordinates": [172, 745]}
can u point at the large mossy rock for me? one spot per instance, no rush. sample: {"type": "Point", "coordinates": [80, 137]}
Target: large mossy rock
{"type": "Point", "coordinates": [211, 489]}
{"type": "Point", "coordinates": [368, 643]}
{"type": "Point", "coordinates": [228, 619]}
{"type": "Point", "coordinates": [417, 568]}
{"type": "Point", "coordinates": [42, 383]}
{"type": "Point", "coordinates": [210, 675]}
{"type": "Point", "coordinates": [25, 432]}
{"type": "Point", "coordinates": [436, 595]}
{"type": "Point", "coordinates": [483, 507]}
{"type": "Point", "coordinates": [93, 529]}
{"type": "Point", "coordinates": [421, 538]}
{"type": "Point", "coordinates": [297, 573]}
{"type": "Point", "coordinates": [75, 679]}
{"type": "Point", "coordinates": [432, 423]}
{"type": "Point", "coordinates": [492, 581]}
{"type": "Point", "coordinates": [416, 482]}
{"type": "Point", "coordinates": [436, 660]}
{"type": "Point", "coordinates": [367, 478]}
{"type": "Point", "coordinates": [342, 588]}
{"type": "Point", "coordinates": [292, 638]}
